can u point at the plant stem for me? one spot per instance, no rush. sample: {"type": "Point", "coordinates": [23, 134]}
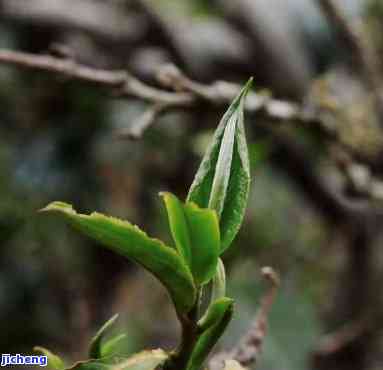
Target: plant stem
{"type": "Point", "coordinates": [189, 337]}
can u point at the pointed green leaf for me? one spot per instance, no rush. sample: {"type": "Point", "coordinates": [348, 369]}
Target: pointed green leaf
{"type": "Point", "coordinates": [131, 242]}
{"type": "Point", "coordinates": [205, 240]}
{"type": "Point", "coordinates": [178, 225]}
{"type": "Point", "coordinates": [208, 339]}
{"type": "Point", "coordinates": [95, 347]}
{"type": "Point", "coordinates": [145, 360]}
{"type": "Point", "coordinates": [214, 313]}
{"type": "Point", "coordinates": [54, 361]}
{"type": "Point", "coordinates": [223, 178]}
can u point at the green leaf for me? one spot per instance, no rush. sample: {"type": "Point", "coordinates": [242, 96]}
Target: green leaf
{"type": "Point", "coordinates": [222, 181]}
{"type": "Point", "coordinates": [145, 360]}
{"type": "Point", "coordinates": [178, 225]}
{"type": "Point", "coordinates": [131, 242]}
{"type": "Point", "coordinates": [214, 313]}
{"type": "Point", "coordinates": [54, 361]}
{"type": "Point", "coordinates": [95, 348]}
{"type": "Point", "coordinates": [205, 240]}
{"type": "Point", "coordinates": [196, 234]}
{"type": "Point", "coordinates": [208, 339]}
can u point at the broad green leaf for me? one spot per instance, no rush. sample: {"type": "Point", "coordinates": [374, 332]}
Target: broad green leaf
{"type": "Point", "coordinates": [219, 282]}
{"type": "Point", "coordinates": [205, 240]}
{"type": "Point", "coordinates": [196, 233]}
{"type": "Point", "coordinates": [178, 225]}
{"type": "Point", "coordinates": [54, 361]}
{"type": "Point", "coordinates": [95, 348]}
{"type": "Point", "coordinates": [214, 313]}
{"type": "Point", "coordinates": [208, 339]}
{"type": "Point", "coordinates": [222, 181]}
{"type": "Point", "coordinates": [130, 241]}
{"type": "Point", "coordinates": [145, 360]}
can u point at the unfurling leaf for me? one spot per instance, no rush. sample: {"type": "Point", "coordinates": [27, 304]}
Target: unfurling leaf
{"type": "Point", "coordinates": [95, 348]}
{"type": "Point", "coordinates": [215, 313]}
{"type": "Point", "coordinates": [196, 235]}
{"type": "Point", "coordinates": [223, 178]}
{"type": "Point", "coordinates": [131, 242]}
{"type": "Point", "coordinates": [209, 338]}
{"type": "Point", "coordinates": [54, 361]}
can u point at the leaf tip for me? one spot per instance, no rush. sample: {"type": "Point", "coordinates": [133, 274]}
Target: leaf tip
{"type": "Point", "coordinates": [58, 207]}
{"type": "Point", "coordinates": [164, 194]}
{"type": "Point", "coordinates": [38, 349]}
{"type": "Point", "coordinates": [247, 87]}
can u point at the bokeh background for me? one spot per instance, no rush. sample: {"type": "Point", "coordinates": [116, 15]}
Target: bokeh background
{"type": "Point", "coordinates": [58, 142]}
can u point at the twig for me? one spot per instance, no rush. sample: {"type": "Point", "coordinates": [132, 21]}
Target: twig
{"type": "Point", "coordinates": [126, 85]}
{"type": "Point", "coordinates": [365, 57]}
{"type": "Point", "coordinates": [250, 347]}
{"type": "Point", "coordinates": [118, 81]}
{"type": "Point", "coordinates": [188, 93]}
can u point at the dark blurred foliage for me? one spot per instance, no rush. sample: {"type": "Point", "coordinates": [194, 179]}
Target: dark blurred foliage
{"type": "Point", "coordinates": [57, 142]}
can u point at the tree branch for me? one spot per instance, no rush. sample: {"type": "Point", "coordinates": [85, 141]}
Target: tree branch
{"type": "Point", "coordinates": [188, 93]}
{"type": "Point", "coordinates": [118, 81]}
